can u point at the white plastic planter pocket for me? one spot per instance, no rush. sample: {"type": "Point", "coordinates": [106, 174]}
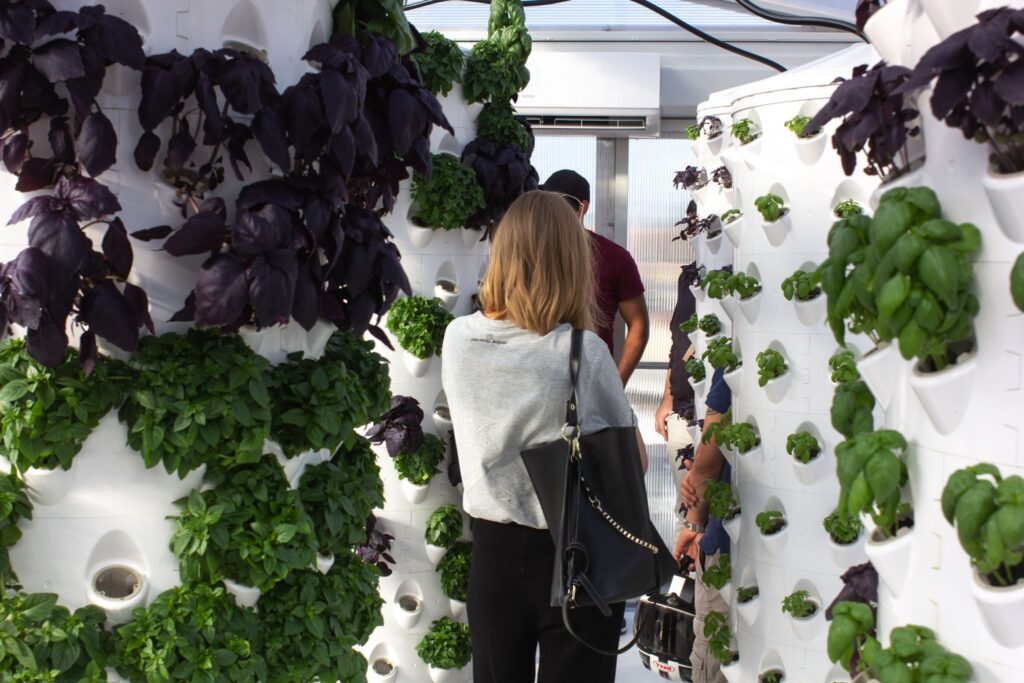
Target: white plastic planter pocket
{"type": "Point", "coordinates": [324, 563]}
{"type": "Point", "coordinates": [881, 368]}
{"type": "Point", "coordinates": [443, 675]}
{"type": "Point", "coordinates": [892, 557]}
{"type": "Point", "coordinates": [118, 589]}
{"type": "Point", "coordinates": [777, 230]}
{"type": "Point", "coordinates": [245, 596]}
{"type": "Point", "coordinates": [751, 306]}
{"type": "Point", "coordinates": [734, 231]}
{"type": "Point", "coordinates": [811, 312]}
{"type": "Point", "coordinates": [945, 394]}
{"type": "Point", "coordinates": [732, 671]}
{"type": "Point", "coordinates": [887, 29]}
{"type": "Point", "coordinates": [774, 543]}
{"type": "Point", "coordinates": [912, 178]}
{"type": "Point", "coordinates": [417, 367]}
{"type": "Point", "coordinates": [1006, 195]}
{"type": "Point", "coordinates": [808, 628]}
{"type": "Point", "coordinates": [407, 611]}
{"type": "Point", "coordinates": [848, 554]}
{"type": "Point", "coordinates": [698, 387]}
{"type": "Point", "coordinates": [1001, 609]}
{"type": "Point", "coordinates": [734, 378]}
{"type": "Point", "coordinates": [414, 493]}
{"type": "Point", "coordinates": [435, 553]}
{"type": "Point", "coordinates": [458, 609]}
{"type": "Point", "coordinates": [949, 17]}
{"type": "Point", "coordinates": [732, 527]}
{"type": "Point", "coordinates": [809, 149]}
{"type": "Point", "coordinates": [748, 610]}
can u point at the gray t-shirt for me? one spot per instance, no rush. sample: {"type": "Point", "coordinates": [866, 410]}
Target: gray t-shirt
{"type": "Point", "coordinates": [507, 388]}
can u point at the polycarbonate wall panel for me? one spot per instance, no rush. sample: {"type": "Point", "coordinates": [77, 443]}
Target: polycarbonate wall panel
{"type": "Point", "coordinates": [654, 208]}
{"type": "Point", "coordinates": [576, 152]}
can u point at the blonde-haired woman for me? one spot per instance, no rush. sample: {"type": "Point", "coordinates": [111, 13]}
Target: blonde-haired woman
{"type": "Point", "coordinates": [506, 376]}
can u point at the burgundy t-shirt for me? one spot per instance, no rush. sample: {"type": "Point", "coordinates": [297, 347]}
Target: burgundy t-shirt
{"type": "Point", "coordinates": [617, 279]}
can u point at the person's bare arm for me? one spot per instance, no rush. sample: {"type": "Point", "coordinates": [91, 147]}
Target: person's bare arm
{"type": "Point", "coordinates": [707, 466]}
{"type": "Point", "coordinates": [664, 409]}
{"type": "Point", "coordinates": [634, 314]}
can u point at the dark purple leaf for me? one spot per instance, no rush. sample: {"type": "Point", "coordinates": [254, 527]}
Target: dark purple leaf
{"type": "Point", "coordinates": [187, 313]}
{"type": "Point", "coordinates": [206, 98]}
{"type": "Point", "coordinates": [258, 232]}
{"type": "Point", "coordinates": [97, 144]}
{"type": "Point", "coordinates": [87, 197]}
{"type": "Point", "coordinates": [30, 273]}
{"type": "Point", "coordinates": [343, 148]}
{"type": "Point", "coordinates": [146, 150]}
{"type": "Point", "coordinates": [118, 249]}
{"type": "Point", "coordinates": [48, 342]}
{"type": "Point", "coordinates": [35, 207]}
{"type": "Point", "coordinates": [1010, 84]}
{"type": "Point", "coordinates": [243, 81]}
{"type": "Point", "coordinates": [36, 173]}
{"type": "Point", "coordinates": [180, 148]}
{"type": "Point", "coordinates": [136, 296]}
{"type": "Point", "coordinates": [86, 89]}
{"type": "Point", "coordinates": [15, 151]}
{"type": "Point", "coordinates": [107, 313]}
{"type": "Point", "coordinates": [13, 71]}
{"type": "Point", "coordinates": [17, 23]}
{"type": "Point", "coordinates": [56, 24]}
{"type": "Point", "coordinates": [267, 129]}
{"type": "Point", "coordinates": [59, 60]}
{"type": "Point", "coordinates": [221, 291]}
{"type": "Point", "coordinates": [58, 236]}
{"type": "Point", "coordinates": [156, 233]}
{"type": "Point", "coordinates": [340, 100]}
{"type": "Point", "coordinates": [272, 287]}
{"type": "Point", "coordinates": [118, 41]}
{"type": "Point", "coordinates": [305, 307]}
{"type": "Point", "coordinates": [379, 54]}
{"type": "Point", "coordinates": [381, 336]}
{"type": "Point", "coordinates": [88, 354]}
{"type": "Point", "coordinates": [160, 92]}
{"type": "Point", "coordinates": [202, 233]}
{"type": "Point", "coordinates": [22, 309]}
{"type": "Point", "coordinates": [62, 143]}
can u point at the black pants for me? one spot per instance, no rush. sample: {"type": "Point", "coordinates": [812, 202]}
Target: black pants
{"type": "Point", "coordinates": [510, 614]}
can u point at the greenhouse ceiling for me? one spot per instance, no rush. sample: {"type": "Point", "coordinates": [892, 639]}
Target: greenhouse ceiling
{"type": "Point", "coordinates": [626, 20]}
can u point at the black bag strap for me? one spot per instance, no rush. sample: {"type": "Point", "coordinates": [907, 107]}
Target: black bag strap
{"type": "Point", "coordinates": [637, 630]}
{"type": "Point", "coordinates": [572, 418]}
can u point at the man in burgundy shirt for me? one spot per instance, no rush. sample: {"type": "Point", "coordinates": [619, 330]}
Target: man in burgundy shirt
{"type": "Point", "coordinates": [619, 287]}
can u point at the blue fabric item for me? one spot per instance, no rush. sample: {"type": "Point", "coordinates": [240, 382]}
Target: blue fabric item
{"type": "Point", "coordinates": [719, 399]}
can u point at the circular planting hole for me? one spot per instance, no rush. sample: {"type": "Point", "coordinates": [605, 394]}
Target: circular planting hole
{"type": "Point", "coordinates": [409, 603]}
{"type": "Point", "coordinates": [117, 583]}
{"type": "Point", "coordinates": [447, 286]}
{"type": "Point", "coordinates": [382, 666]}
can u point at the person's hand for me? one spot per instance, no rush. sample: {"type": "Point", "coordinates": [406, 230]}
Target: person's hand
{"type": "Point", "coordinates": [660, 418]}
{"type": "Point", "coordinates": [687, 544]}
{"type": "Point", "coordinates": [689, 493]}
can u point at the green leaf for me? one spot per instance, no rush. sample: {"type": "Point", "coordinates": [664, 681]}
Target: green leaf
{"type": "Point", "coordinates": [893, 294]}
{"type": "Point", "coordinates": [956, 485]}
{"type": "Point", "coordinates": [1017, 282]}
{"type": "Point", "coordinates": [38, 606]}
{"type": "Point", "coordinates": [882, 472]}
{"type": "Point", "coordinates": [14, 390]}
{"type": "Point", "coordinates": [973, 509]}
{"type": "Point", "coordinates": [912, 339]}
{"type": "Point", "coordinates": [890, 221]}
{"type": "Point", "coordinates": [939, 272]}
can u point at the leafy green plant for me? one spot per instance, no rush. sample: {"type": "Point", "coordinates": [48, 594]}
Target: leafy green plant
{"type": "Point", "coordinates": [716, 630]}
{"type": "Point", "coordinates": [739, 436]}
{"type": "Point", "coordinates": [419, 324]}
{"type": "Point", "coordinates": [798, 124]}
{"type": "Point", "coordinates": [710, 325]}
{"type": "Point", "coordinates": [496, 67]}
{"type": "Point", "coordinates": [195, 632]}
{"type": "Point", "coordinates": [339, 494]}
{"type": "Point", "coordinates": [871, 474]}
{"type": "Point", "coordinates": [913, 655]}
{"type": "Point", "coordinates": [43, 641]}
{"type": "Point", "coordinates": [319, 403]}
{"type": "Point", "coordinates": [745, 131]}
{"type": "Point", "coordinates": [440, 62]}
{"type": "Point", "coordinates": [847, 208]}
{"type": "Point", "coordinates": [1017, 282]}
{"type": "Point", "coordinates": [746, 593]}
{"type": "Point", "coordinates": [447, 199]}
{"type": "Point", "coordinates": [771, 207]}
{"type": "Point", "coordinates": [249, 528]}
{"type": "Point", "coordinates": [719, 574]}
{"type": "Point", "coordinates": [46, 414]}
{"type": "Point", "coordinates": [799, 604]}
{"type": "Point", "coordinates": [312, 620]}
{"type": "Point", "coordinates": [852, 408]}
{"type": "Point", "coordinates": [721, 356]}
{"type": "Point", "coordinates": [722, 504]}
{"type": "Point", "coordinates": [731, 215]}
{"type": "Point", "coordinates": [713, 432]}
{"type": "Point", "coordinates": [446, 645]}
{"type": "Point", "coordinates": [692, 132]}
{"type": "Point", "coordinates": [803, 446]}
{"type": "Point", "coordinates": [770, 365]}
{"type": "Point", "coordinates": [454, 569]}
{"type": "Point", "coordinates": [385, 17]}
{"type": "Point", "coordinates": [843, 529]}
{"type": "Point", "coordinates": [444, 526]}
{"type": "Point", "coordinates": [419, 467]}
{"type": "Point", "coordinates": [904, 274]}
{"type": "Point", "coordinates": [844, 367]}
{"type": "Point", "coordinates": [690, 325]}
{"type": "Point", "coordinates": [14, 507]}
{"type": "Point", "coordinates": [696, 370]}
{"type": "Point", "coordinates": [773, 676]}
{"type": "Point", "coordinates": [497, 123]}
{"type": "Point", "coordinates": [803, 285]}
{"type": "Point", "coordinates": [770, 522]}
{"type": "Point", "coordinates": [987, 510]}
{"type": "Point", "coordinates": [716, 283]}
{"type": "Point", "coordinates": [744, 286]}
{"type": "Point", "coordinates": [199, 398]}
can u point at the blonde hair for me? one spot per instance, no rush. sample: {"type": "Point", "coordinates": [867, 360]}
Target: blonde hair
{"type": "Point", "coordinates": [541, 270]}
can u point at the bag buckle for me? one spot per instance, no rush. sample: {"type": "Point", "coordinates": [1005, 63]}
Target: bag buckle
{"type": "Point", "coordinates": [570, 432]}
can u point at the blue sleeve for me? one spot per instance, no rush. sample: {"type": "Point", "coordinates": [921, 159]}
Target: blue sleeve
{"type": "Point", "coordinates": [719, 397]}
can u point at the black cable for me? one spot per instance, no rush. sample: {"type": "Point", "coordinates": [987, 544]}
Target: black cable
{"type": "Point", "coordinates": [794, 20]}
{"type": "Point", "coordinates": [665, 14]}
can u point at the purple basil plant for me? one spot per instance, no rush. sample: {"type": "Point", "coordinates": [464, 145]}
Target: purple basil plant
{"type": "Point", "coordinates": [504, 172]}
{"type": "Point", "coordinates": [693, 225]}
{"type": "Point", "coordinates": [61, 276]}
{"type": "Point", "coordinates": [722, 176]}
{"type": "Point", "coordinates": [711, 127]}
{"type": "Point", "coordinates": [979, 84]}
{"type": "Point", "coordinates": [865, 9]}
{"type": "Point", "coordinates": [875, 119]}
{"type": "Point", "coordinates": [376, 550]}
{"type": "Point", "coordinates": [691, 178]}
{"type": "Point", "coordinates": [400, 427]}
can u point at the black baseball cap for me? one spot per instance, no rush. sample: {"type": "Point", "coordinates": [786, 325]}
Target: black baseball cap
{"type": "Point", "coordinates": [568, 182]}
